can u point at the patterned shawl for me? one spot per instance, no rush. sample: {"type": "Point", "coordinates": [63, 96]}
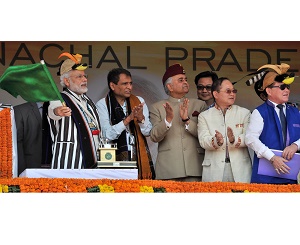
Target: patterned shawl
{"type": "Point", "coordinates": [142, 153]}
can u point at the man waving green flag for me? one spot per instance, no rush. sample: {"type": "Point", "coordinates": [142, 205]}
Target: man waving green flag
{"type": "Point", "coordinates": [33, 83]}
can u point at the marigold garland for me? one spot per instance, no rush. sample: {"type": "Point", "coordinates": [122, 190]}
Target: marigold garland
{"type": "Point", "coordinates": [5, 144]}
{"type": "Point", "coordinates": [66, 185]}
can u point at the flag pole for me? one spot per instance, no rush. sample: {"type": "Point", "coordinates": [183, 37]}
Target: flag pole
{"type": "Point", "coordinates": [53, 83]}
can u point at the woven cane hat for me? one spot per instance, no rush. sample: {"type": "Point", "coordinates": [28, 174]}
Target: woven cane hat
{"type": "Point", "coordinates": [73, 63]}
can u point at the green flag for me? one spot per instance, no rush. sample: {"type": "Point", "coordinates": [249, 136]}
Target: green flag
{"type": "Point", "coordinates": [33, 83]}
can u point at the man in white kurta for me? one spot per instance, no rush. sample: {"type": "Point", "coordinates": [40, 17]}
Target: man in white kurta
{"type": "Point", "coordinates": [221, 132]}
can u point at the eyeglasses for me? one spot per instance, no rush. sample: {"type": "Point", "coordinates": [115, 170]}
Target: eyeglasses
{"type": "Point", "coordinates": [80, 76]}
{"type": "Point", "coordinates": [228, 91]}
{"type": "Point", "coordinates": [282, 86]}
{"type": "Point", "coordinates": [201, 87]}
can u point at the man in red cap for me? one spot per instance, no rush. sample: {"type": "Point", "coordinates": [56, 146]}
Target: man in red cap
{"type": "Point", "coordinates": [174, 122]}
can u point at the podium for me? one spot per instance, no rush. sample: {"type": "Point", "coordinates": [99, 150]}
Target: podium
{"type": "Point", "coordinates": [106, 155]}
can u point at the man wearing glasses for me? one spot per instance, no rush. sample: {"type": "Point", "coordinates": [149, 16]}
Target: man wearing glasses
{"type": "Point", "coordinates": [274, 125]}
{"type": "Point", "coordinates": [204, 81]}
{"type": "Point", "coordinates": [75, 126]}
{"type": "Point", "coordinates": [221, 132]}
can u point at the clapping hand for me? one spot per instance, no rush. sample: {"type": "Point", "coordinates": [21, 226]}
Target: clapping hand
{"type": "Point", "coordinates": [138, 112]}
{"type": "Point", "coordinates": [183, 109]}
{"type": "Point", "coordinates": [230, 135]}
{"type": "Point", "coordinates": [169, 112]}
{"type": "Point", "coordinates": [219, 137]}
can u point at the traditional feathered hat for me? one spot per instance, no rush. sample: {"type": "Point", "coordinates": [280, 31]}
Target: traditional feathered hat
{"type": "Point", "coordinates": [278, 74]}
{"type": "Point", "coordinates": [269, 73]}
{"type": "Point", "coordinates": [266, 75]}
{"type": "Point", "coordinates": [73, 63]}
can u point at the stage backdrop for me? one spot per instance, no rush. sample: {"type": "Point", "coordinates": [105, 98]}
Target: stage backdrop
{"type": "Point", "coordinates": [147, 62]}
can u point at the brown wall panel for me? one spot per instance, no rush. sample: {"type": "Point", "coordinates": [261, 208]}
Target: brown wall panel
{"type": "Point", "coordinates": [147, 61]}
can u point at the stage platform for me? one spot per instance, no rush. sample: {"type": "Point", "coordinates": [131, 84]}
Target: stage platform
{"type": "Point", "coordinates": [111, 173]}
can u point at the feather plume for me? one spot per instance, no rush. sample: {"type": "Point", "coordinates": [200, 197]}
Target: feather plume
{"type": "Point", "coordinates": [70, 56]}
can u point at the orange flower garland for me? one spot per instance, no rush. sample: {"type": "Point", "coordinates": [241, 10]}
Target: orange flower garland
{"type": "Point", "coordinates": [5, 144]}
{"type": "Point", "coordinates": [66, 185]}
